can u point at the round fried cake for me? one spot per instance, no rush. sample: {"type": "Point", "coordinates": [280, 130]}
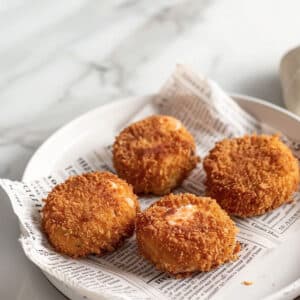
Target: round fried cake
{"type": "Point", "coordinates": [89, 214]}
{"type": "Point", "coordinates": [251, 175]}
{"type": "Point", "coordinates": [154, 155]}
{"type": "Point", "coordinates": [184, 233]}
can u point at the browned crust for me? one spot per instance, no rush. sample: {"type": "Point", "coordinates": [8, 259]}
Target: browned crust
{"type": "Point", "coordinates": [201, 243]}
{"type": "Point", "coordinates": [87, 214]}
{"type": "Point", "coordinates": [251, 175]}
{"type": "Point", "coordinates": [153, 156]}
{"type": "Point", "coordinates": [247, 283]}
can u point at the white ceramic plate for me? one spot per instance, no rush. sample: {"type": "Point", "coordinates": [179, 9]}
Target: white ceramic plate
{"type": "Point", "coordinates": [274, 275]}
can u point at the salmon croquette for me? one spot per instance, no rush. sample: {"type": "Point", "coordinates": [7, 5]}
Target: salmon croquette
{"type": "Point", "coordinates": [184, 233]}
{"type": "Point", "coordinates": [89, 214]}
{"type": "Point", "coordinates": [155, 155]}
{"type": "Point", "coordinates": [251, 175]}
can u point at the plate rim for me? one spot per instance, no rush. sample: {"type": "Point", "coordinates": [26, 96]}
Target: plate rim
{"type": "Point", "coordinates": [26, 176]}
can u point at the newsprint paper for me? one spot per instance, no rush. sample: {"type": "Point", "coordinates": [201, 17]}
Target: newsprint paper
{"type": "Point", "coordinates": [210, 115]}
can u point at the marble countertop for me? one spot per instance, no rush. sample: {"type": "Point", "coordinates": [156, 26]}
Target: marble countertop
{"type": "Point", "coordinates": [59, 59]}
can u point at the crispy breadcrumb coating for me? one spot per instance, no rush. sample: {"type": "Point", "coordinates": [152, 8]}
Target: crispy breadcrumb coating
{"type": "Point", "coordinates": [184, 233]}
{"type": "Point", "coordinates": [155, 155]}
{"type": "Point", "coordinates": [251, 175]}
{"type": "Point", "coordinates": [89, 214]}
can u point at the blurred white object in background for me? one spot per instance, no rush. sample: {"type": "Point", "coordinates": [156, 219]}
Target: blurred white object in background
{"type": "Point", "coordinates": [290, 79]}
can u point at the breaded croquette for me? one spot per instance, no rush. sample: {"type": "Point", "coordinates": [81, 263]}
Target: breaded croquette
{"type": "Point", "coordinates": [154, 155]}
{"type": "Point", "coordinates": [251, 175]}
{"type": "Point", "coordinates": [89, 214]}
{"type": "Point", "coordinates": [184, 233]}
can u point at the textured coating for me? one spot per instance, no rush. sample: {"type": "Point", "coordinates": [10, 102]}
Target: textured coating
{"type": "Point", "coordinates": [154, 155]}
{"type": "Point", "coordinates": [89, 214]}
{"type": "Point", "coordinates": [183, 233]}
{"type": "Point", "coordinates": [251, 175]}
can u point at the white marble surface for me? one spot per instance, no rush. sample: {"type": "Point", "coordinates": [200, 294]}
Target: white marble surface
{"type": "Point", "coordinates": [59, 59]}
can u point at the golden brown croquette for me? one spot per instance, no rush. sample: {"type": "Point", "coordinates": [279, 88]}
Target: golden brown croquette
{"type": "Point", "coordinates": [184, 233]}
{"type": "Point", "coordinates": [154, 155]}
{"type": "Point", "coordinates": [89, 214]}
{"type": "Point", "coordinates": [251, 175]}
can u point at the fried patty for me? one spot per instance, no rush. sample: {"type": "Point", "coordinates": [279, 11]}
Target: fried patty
{"type": "Point", "coordinates": [251, 175]}
{"type": "Point", "coordinates": [154, 155]}
{"type": "Point", "coordinates": [184, 233]}
{"type": "Point", "coordinates": [89, 214]}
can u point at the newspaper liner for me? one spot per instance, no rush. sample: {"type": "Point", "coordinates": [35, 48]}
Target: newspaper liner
{"type": "Point", "coordinates": [210, 115]}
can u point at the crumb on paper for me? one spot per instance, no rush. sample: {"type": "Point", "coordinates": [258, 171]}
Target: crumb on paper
{"type": "Point", "coordinates": [247, 282]}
